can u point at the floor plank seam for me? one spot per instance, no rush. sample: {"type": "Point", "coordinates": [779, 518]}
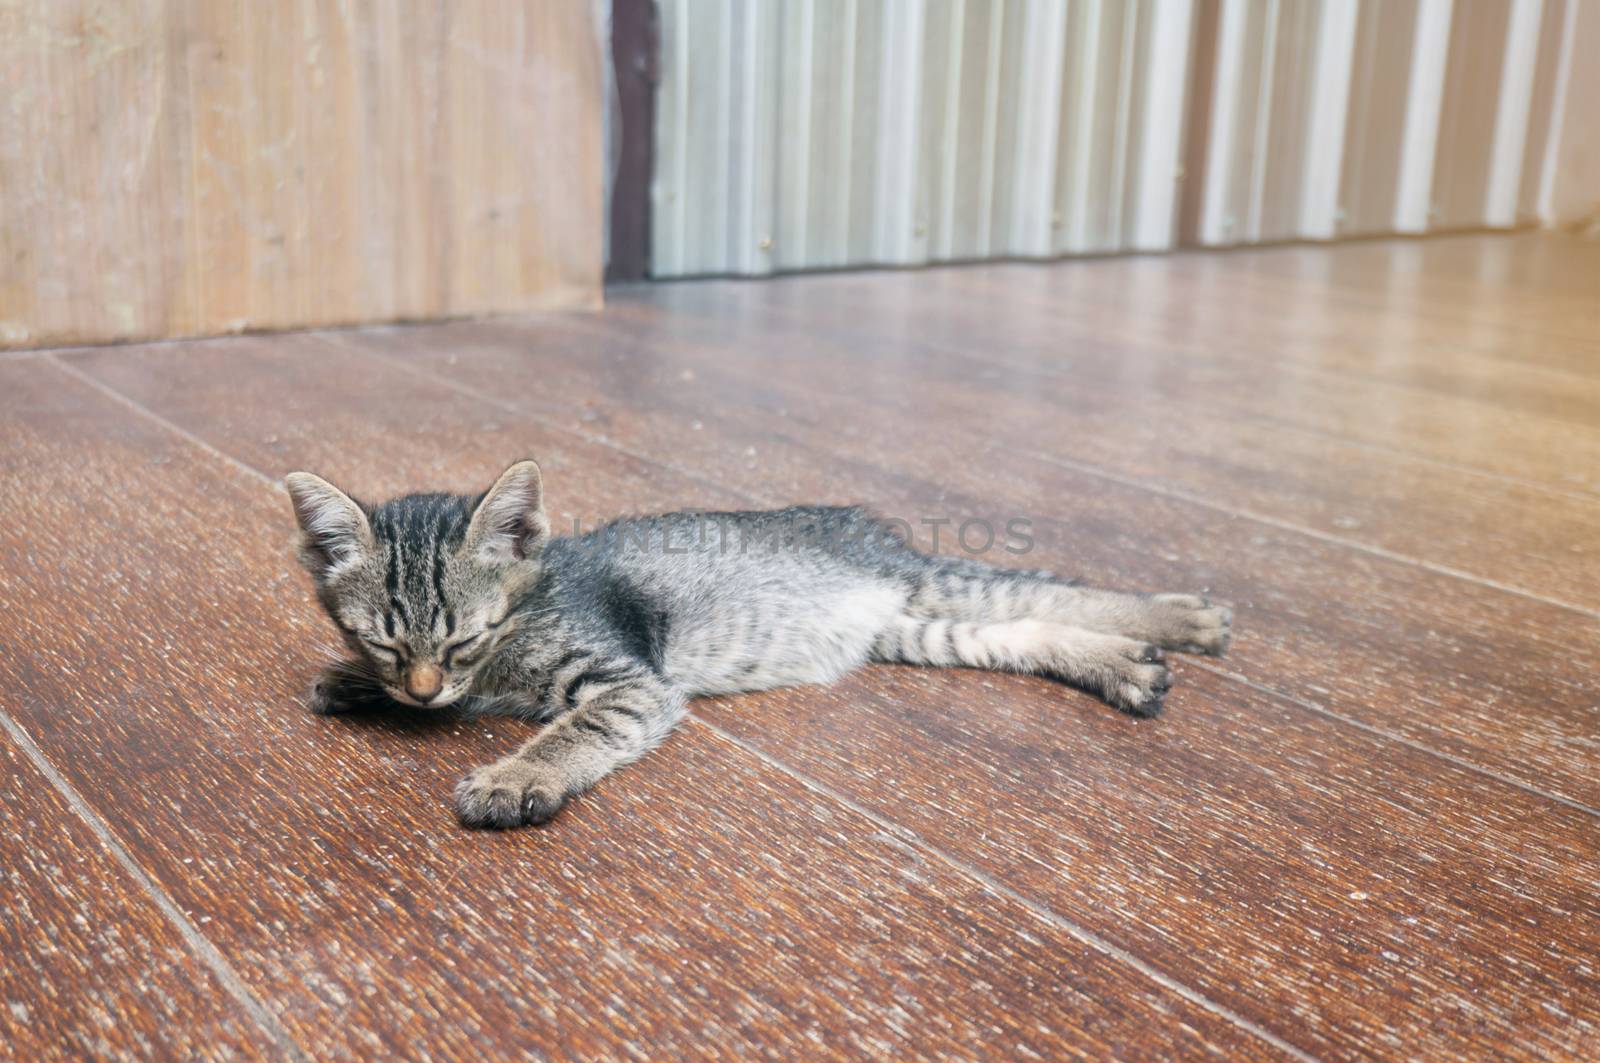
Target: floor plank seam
{"type": "Point", "coordinates": [988, 883]}
{"type": "Point", "coordinates": [1331, 868]}
{"type": "Point", "coordinates": [1491, 355]}
{"type": "Point", "coordinates": [992, 885]}
{"type": "Point", "coordinates": [1420, 309]}
{"type": "Point", "coordinates": [1573, 494]}
{"type": "Point", "coordinates": [978, 876]}
{"type": "Point", "coordinates": [1314, 533]}
{"type": "Point", "coordinates": [539, 418]}
{"type": "Point", "coordinates": [1387, 384]}
{"type": "Point", "coordinates": [200, 945]}
{"type": "Point", "coordinates": [977, 355]}
{"type": "Point", "coordinates": [151, 415]}
{"type": "Point", "coordinates": [1410, 743]}
{"type": "Point", "coordinates": [512, 407]}
{"type": "Point", "coordinates": [1422, 390]}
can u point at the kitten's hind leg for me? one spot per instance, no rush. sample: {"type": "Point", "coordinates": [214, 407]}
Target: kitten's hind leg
{"type": "Point", "coordinates": [621, 714]}
{"type": "Point", "coordinates": [966, 589]}
{"type": "Point", "coordinates": [1126, 673]}
{"type": "Point", "coordinates": [1184, 622]}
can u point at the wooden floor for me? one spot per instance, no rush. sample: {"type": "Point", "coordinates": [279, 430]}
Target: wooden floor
{"type": "Point", "coordinates": [1373, 830]}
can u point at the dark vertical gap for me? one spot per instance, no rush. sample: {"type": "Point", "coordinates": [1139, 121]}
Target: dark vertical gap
{"type": "Point", "coordinates": [1196, 145]}
{"type": "Point", "coordinates": [636, 60]}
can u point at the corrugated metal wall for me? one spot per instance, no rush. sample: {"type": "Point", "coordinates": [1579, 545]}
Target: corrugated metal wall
{"type": "Point", "coordinates": [1337, 118]}
{"type": "Point", "coordinates": [796, 135]}
{"type": "Point", "coordinates": [801, 134]}
{"type": "Point", "coordinates": [1273, 98]}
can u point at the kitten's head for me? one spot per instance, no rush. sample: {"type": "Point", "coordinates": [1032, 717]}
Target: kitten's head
{"type": "Point", "coordinates": [422, 586]}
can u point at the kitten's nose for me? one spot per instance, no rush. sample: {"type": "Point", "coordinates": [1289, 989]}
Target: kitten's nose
{"type": "Point", "coordinates": [424, 682]}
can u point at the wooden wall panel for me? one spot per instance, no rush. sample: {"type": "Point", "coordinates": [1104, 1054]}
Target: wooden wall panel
{"type": "Point", "coordinates": [181, 167]}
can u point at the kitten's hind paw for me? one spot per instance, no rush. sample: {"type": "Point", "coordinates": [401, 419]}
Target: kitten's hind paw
{"type": "Point", "coordinates": [1189, 623]}
{"type": "Point", "coordinates": [510, 793]}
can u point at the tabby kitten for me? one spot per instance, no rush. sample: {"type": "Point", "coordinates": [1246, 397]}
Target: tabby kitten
{"type": "Point", "coordinates": [455, 600]}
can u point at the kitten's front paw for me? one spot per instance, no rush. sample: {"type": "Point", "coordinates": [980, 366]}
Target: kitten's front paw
{"type": "Point", "coordinates": [326, 696]}
{"type": "Point", "coordinates": [509, 793]}
{"type": "Point", "coordinates": [1191, 624]}
{"type": "Point", "coordinates": [345, 686]}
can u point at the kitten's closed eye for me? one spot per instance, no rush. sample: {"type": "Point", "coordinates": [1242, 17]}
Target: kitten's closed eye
{"type": "Point", "coordinates": [385, 652]}
{"type": "Point", "coordinates": [471, 649]}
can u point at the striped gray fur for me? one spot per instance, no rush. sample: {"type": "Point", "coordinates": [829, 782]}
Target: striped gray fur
{"type": "Point", "coordinates": [455, 600]}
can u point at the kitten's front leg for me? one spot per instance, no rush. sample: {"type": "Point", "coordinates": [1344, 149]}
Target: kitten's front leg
{"type": "Point", "coordinates": [616, 721]}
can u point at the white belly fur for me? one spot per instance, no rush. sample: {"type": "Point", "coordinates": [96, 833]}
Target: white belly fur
{"type": "Point", "coordinates": [815, 641]}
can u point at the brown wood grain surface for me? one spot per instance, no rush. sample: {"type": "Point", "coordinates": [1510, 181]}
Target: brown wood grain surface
{"type": "Point", "coordinates": [1197, 338]}
{"type": "Point", "coordinates": [90, 967]}
{"type": "Point", "coordinates": [1368, 832]}
{"type": "Point", "coordinates": [738, 911]}
{"type": "Point", "coordinates": [1381, 805]}
{"type": "Point", "coordinates": [1357, 633]}
{"type": "Point", "coordinates": [1248, 847]}
{"type": "Point", "coordinates": [1484, 286]}
{"type": "Point", "coordinates": [1440, 514]}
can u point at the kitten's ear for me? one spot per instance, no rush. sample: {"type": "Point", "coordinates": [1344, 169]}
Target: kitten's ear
{"type": "Point", "coordinates": [509, 523]}
{"type": "Point", "coordinates": [335, 529]}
